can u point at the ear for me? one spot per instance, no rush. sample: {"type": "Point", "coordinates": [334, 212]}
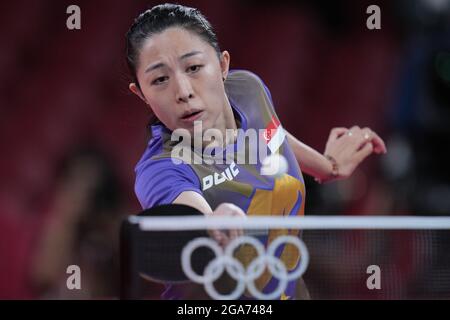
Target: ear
{"type": "Point", "coordinates": [225, 63]}
{"type": "Point", "coordinates": [135, 89]}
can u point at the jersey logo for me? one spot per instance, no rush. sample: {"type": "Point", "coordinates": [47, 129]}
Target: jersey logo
{"type": "Point", "coordinates": [217, 178]}
{"type": "Point", "coordinates": [274, 135]}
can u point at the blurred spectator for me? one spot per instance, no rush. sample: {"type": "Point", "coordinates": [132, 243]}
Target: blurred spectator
{"type": "Point", "coordinates": [82, 229]}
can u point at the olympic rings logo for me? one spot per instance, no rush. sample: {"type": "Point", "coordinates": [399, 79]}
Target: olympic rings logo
{"type": "Point", "coordinates": [245, 277]}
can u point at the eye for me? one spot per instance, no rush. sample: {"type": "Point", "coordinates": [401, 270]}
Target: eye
{"type": "Point", "coordinates": [194, 68]}
{"type": "Point", "coordinates": [160, 80]}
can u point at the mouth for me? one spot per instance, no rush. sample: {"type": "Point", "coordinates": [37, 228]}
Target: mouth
{"type": "Point", "coordinates": [192, 115]}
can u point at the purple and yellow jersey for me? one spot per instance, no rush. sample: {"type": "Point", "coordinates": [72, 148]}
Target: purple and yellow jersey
{"type": "Point", "coordinates": [159, 180]}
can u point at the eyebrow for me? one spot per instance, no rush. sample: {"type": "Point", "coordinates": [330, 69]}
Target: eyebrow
{"type": "Point", "coordinates": [160, 64]}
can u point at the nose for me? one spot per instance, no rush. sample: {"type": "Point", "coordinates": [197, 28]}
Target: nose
{"type": "Point", "coordinates": [184, 90]}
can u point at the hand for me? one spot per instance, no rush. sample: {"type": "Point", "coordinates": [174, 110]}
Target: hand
{"type": "Point", "coordinates": [349, 147]}
{"type": "Point", "coordinates": [227, 210]}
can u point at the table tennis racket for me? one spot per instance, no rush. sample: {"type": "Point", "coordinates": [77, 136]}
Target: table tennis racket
{"type": "Point", "coordinates": [159, 252]}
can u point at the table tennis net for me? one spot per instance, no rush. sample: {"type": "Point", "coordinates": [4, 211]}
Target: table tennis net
{"type": "Point", "coordinates": [334, 257]}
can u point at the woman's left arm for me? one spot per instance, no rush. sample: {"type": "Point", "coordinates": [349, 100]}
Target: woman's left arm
{"type": "Point", "coordinates": [344, 151]}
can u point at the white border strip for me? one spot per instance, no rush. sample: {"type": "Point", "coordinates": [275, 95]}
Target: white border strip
{"type": "Point", "coordinates": [178, 223]}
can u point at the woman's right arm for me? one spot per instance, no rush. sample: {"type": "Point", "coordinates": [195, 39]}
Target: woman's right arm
{"type": "Point", "coordinates": [194, 199]}
{"type": "Point", "coordinates": [197, 201]}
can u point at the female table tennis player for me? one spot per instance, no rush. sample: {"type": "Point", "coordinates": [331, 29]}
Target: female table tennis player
{"type": "Point", "coordinates": [179, 71]}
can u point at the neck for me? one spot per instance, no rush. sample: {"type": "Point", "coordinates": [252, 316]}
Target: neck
{"type": "Point", "coordinates": [226, 122]}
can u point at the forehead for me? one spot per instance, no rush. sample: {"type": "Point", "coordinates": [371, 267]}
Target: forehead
{"type": "Point", "coordinates": [172, 42]}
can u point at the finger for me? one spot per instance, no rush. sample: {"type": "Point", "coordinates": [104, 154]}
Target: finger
{"type": "Point", "coordinates": [225, 240]}
{"type": "Point", "coordinates": [364, 152]}
{"type": "Point", "coordinates": [378, 144]}
{"type": "Point", "coordinates": [233, 234]}
{"type": "Point", "coordinates": [366, 135]}
{"type": "Point", "coordinates": [356, 140]}
{"type": "Point", "coordinates": [337, 133]}
{"type": "Point", "coordinates": [361, 137]}
{"type": "Point", "coordinates": [216, 235]}
{"type": "Point", "coordinates": [353, 132]}
{"type": "Point", "coordinates": [236, 233]}
{"type": "Point", "coordinates": [220, 237]}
